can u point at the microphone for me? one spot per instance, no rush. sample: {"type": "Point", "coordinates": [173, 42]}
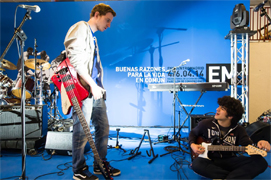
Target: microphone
{"type": "Point", "coordinates": [182, 64]}
{"type": "Point", "coordinates": [35, 8]}
{"type": "Point", "coordinates": [256, 9]}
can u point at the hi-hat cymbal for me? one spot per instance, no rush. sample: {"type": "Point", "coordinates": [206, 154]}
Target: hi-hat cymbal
{"type": "Point", "coordinates": [2, 69]}
{"type": "Point", "coordinates": [40, 64]}
{"type": "Point", "coordinates": [8, 65]}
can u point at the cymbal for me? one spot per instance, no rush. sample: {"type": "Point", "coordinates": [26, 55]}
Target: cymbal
{"type": "Point", "coordinates": [40, 63]}
{"type": "Point", "coordinates": [8, 65]}
{"type": "Point", "coordinates": [2, 69]}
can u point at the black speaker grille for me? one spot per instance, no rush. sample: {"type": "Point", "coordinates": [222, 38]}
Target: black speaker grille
{"type": "Point", "coordinates": [10, 123]}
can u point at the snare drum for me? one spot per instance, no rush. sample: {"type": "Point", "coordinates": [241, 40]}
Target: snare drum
{"type": "Point", "coordinates": [29, 85]}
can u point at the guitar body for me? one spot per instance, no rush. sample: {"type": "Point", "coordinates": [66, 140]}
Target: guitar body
{"type": "Point", "coordinates": [203, 143]}
{"type": "Point", "coordinates": [66, 79]}
{"type": "Point", "coordinates": [81, 92]}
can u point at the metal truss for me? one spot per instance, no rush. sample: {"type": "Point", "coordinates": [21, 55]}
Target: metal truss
{"type": "Point", "coordinates": [240, 56]}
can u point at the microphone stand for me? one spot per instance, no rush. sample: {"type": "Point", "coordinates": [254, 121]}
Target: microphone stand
{"type": "Point", "coordinates": [22, 39]}
{"type": "Point", "coordinates": [265, 14]}
{"type": "Point", "coordinates": [174, 104]}
{"type": "Point", "coordinates": [20, 35]}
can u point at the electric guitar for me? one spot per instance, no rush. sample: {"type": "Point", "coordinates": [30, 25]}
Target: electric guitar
{"type": "Point", "coordinates": [66, 79]}
{"type": "Point", "coordinates": [250, 150]}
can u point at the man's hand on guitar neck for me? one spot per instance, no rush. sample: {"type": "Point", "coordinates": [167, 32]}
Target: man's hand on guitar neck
{"type": "Point", "coordinates": [265, 145]}
{"type": "Point", "coordinates": [97, 92]}
{"type": "Point", "coordinates": [198, 149]}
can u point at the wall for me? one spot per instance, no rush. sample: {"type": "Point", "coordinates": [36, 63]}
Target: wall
{"type": "Point", "coordinates": [146, 34]}
{"type": "Point", "coordinates": [259, 79]}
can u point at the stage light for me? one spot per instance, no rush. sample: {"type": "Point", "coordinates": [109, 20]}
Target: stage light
{"type": "Point", "coordinates": [239, 17]}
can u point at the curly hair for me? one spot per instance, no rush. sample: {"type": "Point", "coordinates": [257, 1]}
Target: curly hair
{"type": "Point", "coordinates": [102, 9]}
{"type": "Point", "coordinates": [233, 107]}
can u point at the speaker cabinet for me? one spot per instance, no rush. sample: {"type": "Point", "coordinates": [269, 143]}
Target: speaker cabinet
{"type": "Point", "coordinates": [196, 118]}
{"type": "Point", "coordinates": [259, 131]}
{"type": "Point", "coordinates": [60, 143]}
{"type": "Point", "coordinates": [35, 122]}
{"type": "Point", "coordinates": [59, 140]}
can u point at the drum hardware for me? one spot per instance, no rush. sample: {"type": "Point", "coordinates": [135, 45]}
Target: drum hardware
{"type": "Point", "coordinates": [39, 100]}
{"type": "Point", "coordinates": [5, 81]}
{"type": "Point", "coordinates": [38, 64]}
{"type": "Point", "coordinates": [54, 122]}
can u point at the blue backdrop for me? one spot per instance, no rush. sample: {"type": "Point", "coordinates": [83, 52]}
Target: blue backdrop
{"type": "Point", "coordinates": [144, 35]}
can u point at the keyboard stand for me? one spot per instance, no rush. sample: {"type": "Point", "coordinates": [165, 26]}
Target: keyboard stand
{"type": "Point", "coordinates": [187, 114]}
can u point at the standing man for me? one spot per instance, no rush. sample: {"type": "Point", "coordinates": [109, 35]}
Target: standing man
{"type": "Point", "coordinates": [82, 50]}
{"type": "Point", "coordinates": [223, 129]}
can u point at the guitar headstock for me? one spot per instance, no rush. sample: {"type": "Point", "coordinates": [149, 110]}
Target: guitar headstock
{"type": "Point", "coordinates": [251, 150]}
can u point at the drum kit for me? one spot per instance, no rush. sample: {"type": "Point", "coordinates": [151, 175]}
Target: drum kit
{"type": "Point", "coordinates": [35, 93]}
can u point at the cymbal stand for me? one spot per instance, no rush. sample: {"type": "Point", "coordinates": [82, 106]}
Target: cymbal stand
{"type": "Point", "coordinates": [54, 116]}
{"type": "Point", "coordinates": [35, 78]}
{"type": "Point", "coordinates": [40, 85]}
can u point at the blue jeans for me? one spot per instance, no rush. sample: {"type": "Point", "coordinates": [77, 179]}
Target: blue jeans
{"type": "Point", "coordinates": [94, 110]}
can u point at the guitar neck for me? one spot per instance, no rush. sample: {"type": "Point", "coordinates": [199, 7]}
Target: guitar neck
{"type": "Point", "coordinates": [226, 148]}
{"type": "Point", "coordinates": [85, 126]}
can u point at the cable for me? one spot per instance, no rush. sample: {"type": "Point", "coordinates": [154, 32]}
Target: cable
{"type": "Point", "coordinates": [59, 173]}
{"type": "Point", "coordinates": [178, 164]}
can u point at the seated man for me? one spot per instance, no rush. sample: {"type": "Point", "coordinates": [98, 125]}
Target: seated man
{"type": "Point", "coordinates": [223, 129]}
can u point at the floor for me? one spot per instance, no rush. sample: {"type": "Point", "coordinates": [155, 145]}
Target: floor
{"type": "Point", "coordinates": [167, 165]}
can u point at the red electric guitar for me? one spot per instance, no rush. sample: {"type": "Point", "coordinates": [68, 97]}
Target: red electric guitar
{"type": "Point", "coordinates": [67, 81]}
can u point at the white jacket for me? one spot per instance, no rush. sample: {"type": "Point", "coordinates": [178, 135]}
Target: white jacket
{"type": "Point", "coordinates": [79, 45]}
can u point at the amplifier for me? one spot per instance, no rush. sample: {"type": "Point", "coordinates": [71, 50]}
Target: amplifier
{"type": "Point", "coordinates": [196, 118]}
{"type": "Point", "coordinates": [35, 122]}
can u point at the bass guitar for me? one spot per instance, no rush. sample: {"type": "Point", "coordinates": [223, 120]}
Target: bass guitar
{"type": "Point", "coordinates": [67, 81]}
{"type": "Point", "coordinates": [250, 150]}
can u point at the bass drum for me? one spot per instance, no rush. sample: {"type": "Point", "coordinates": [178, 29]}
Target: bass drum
{"type": "Point", "coordinates": [10, 101]}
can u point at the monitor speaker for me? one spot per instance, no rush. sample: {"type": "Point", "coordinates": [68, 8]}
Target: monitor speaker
{"type": "Point", "coordinates": [35, 122]}
{"type": "Point", "coordinates": [60, 143]}
{"type": "Point", "coordinates": [196, 118]}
